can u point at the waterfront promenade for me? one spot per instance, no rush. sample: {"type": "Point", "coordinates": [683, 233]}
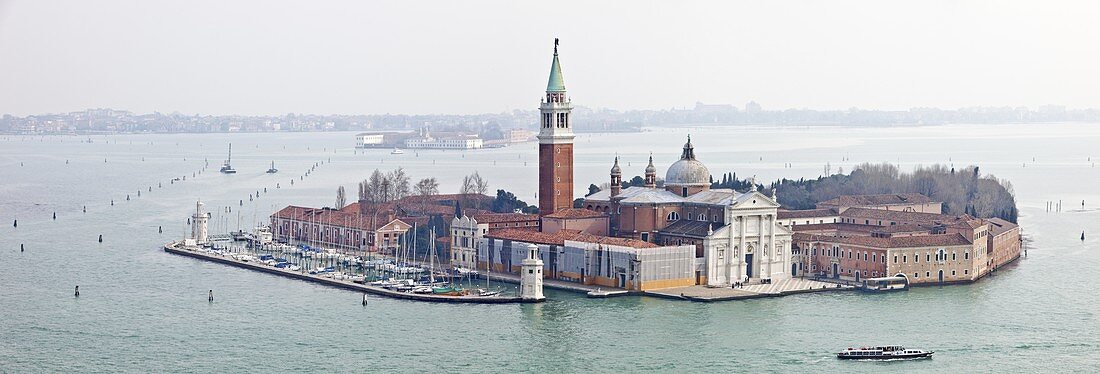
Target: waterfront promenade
{"type": "Point", "coordinates": [179, 249]}
{"type": "Point", "coordinates": [749, 291]}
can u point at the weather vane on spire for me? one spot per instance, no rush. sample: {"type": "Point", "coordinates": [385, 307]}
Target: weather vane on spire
{"type": "Point", "coordinates": [555, 46]}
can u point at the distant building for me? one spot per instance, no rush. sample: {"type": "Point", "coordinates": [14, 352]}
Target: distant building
{"type": "Point", "coordinates": [448, 141]}
{"type": "Point", "coordinates": [369, 140]}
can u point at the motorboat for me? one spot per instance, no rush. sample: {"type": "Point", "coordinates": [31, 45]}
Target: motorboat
{"type": "Point", "coordinates": [889, 352]}
{"type": "Point", "coordinates": [397, 151]}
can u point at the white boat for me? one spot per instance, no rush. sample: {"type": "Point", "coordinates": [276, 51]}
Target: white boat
{"type": "Point", "coordinates": [422, 289]}
{"type": "Point", "coordinates": [397, 151]}
{"type": "Point", "coordinates": [889, 352]}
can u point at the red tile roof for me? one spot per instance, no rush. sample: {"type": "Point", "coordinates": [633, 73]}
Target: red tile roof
{"type": "Point", "coordinates": [504, 217]}
{"type": "Point", "coordinates": [575, 213]}
{"type": "Point", "coordinates": [559, 238]}
{"type": "Point", "coordinates": [873, 200]}
{"type": "Point", "coordinates": [333, 217]}
{"type": "Point", "coordinates": [895, 215]}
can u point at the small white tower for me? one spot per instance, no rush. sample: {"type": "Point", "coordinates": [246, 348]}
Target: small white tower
{"type": "Point", "coordinates": [530, 280]}
{"type": "Point", "coordinates": [198, 224]}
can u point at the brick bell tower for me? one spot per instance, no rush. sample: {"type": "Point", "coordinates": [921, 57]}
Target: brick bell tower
{"type": "Point", "coordinates": [555, 144]}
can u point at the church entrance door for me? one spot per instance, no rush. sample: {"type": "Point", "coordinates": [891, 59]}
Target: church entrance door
{"type": "Point", "coordinates": [748, 265]}
{"type": "Point", "coordinates": [836, 271]}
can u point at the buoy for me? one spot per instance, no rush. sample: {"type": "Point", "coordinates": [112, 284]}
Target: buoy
{"type": "Point", "coordinates": [210, 296]}
{"type": "Point", "coordinates": [15, 224]}
{"type": "Point", "coordinates": [364, 299]}
{"type": "Point", "coordinates": [55, 215]}
{"type": "Point", "coordinates": [77, 293]}
{"type": "Point", "coordinates": [127, 197]}
{"type": "Point", "coordinates": [160, 229]}
{"type": "Point", "coordinates": [242, 202]}
{"type": "Point", "coordinates": [188, 221]}
{"type": "Point", "coordinates": [112, 202]}
{"type": "Point", "coordinates": [85, 209]}
{"type": "Point", "coordinates": [21, 247]}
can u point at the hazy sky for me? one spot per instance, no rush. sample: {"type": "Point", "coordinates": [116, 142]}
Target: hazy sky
{"type": "Point", "coordinates": [363, 57]}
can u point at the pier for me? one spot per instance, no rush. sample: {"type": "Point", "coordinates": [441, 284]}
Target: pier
{"type": "Point", "coordinates": [179, 249]}
{"type": "Point", "coordinates": [749, 291]}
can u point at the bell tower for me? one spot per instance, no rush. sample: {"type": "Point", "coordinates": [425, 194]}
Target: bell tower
{"type": "Point", "coordinates": [555, 144]}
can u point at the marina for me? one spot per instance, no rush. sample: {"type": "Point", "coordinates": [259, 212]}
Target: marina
{"type": "Point", "coordinates": [347, 283]}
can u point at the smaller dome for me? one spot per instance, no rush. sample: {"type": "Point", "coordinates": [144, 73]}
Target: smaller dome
{"type": "Point", "coordinates": [615, 170]}
{"type": "Point", "coordinates": [651, 169]}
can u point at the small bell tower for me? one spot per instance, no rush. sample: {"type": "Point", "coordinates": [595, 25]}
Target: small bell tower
{"type": "Point", "coordinates": [530, 280]}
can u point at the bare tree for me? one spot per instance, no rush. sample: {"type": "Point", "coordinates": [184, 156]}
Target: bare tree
{"type": "Point", "coordinates": [399, 182]}
{"type": "Point", "coordinates": [481, 186]}
{"type": "Point", "coordinates": [373, 187]}
{"type": "Point", "coordinates": [427, 187]}
{"type": "Point", "coordinates": [341, 200]}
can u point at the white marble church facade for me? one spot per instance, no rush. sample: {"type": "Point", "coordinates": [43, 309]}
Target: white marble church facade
{"type": "Point", "coordinates": [751, 245]}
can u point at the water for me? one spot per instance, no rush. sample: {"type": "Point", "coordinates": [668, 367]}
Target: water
{"type": "Point", "coordinates": [143, 310]}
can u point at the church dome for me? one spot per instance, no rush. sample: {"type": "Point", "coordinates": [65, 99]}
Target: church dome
{"type": "Point", "coordinates": [688, 171]}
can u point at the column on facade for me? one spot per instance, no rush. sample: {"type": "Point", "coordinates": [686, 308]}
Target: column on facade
{"type": "Point", "coordinates": [775, 246]}
{"type": "Point", "coordinates": [742, 247]}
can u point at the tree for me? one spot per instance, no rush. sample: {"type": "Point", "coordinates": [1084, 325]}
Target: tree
{"type": "Point", "coordinates": [373, 187]}
{"type": "Point", "coordinates": [399, 183]}
{"type": "Point", "coordinates": [427, 187]}
{"type": "Point", "coordinates": [341, 200]}
{"type": "Point", "coordinates": [592, 189]}
{"type": "Point", "coordinates": [506, 202]}
{"type": "Point", "coordinates": [473, 184]}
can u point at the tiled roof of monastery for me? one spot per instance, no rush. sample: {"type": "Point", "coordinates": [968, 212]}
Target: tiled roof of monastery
{"type": "Point", "coordinates": [998, 226]}
{"type": "Point", "coordinates": [806, 213]}
{"type": "Point", "coordinates": [894, 215]}
{"type": "Point", "coordinates": [873, 200]}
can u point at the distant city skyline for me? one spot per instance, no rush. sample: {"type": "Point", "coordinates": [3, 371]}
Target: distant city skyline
{"type": "Point", "coordinates": [273, 58]}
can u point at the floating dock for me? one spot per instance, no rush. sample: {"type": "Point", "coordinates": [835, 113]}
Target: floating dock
{"type": "Point", "coordinates": [179, 249]}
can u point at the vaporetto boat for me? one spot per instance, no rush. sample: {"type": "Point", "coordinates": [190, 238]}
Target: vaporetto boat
{"type": "Point", "coordinates": [889, 352]}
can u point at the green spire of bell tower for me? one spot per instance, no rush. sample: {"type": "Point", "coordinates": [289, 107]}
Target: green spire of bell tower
{"type": "Point", "coordinates": [556, 83]}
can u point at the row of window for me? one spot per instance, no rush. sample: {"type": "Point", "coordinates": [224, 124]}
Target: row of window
{"type": "Point", "coordinates": [941, 256]}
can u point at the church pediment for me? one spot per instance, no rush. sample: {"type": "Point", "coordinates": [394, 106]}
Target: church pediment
{"type": "Point", "coordinates": [754, 200]}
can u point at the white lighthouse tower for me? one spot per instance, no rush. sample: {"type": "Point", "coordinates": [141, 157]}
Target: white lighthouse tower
{"type": "Point", "coordinates": [198, 224]}
{"type": "Point", "coordinates": [530, 279]}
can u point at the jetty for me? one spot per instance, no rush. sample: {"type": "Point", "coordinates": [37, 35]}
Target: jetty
{"type": "Point", "coordinates": [179, 248]}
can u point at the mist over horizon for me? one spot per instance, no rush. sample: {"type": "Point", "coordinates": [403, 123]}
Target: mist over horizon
{"type": "Point", "coordinates": [330, 57]}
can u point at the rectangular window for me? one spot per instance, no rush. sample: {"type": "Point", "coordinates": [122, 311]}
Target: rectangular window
{"type": "Point", "coordinates": [895, 259]}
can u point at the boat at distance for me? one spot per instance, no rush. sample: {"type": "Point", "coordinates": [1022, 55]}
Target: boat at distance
{"type": "Point", "coordinates": [397, 151]}
{"type": "Point", "coordinates": [226, 167]}
{"type": "Point", "coordinates": [889, 352]}
{"type": "Point", "coordinates": [272, 170]}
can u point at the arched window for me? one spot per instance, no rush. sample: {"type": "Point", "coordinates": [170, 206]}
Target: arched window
{"type": "Point", "coordinates": [672, 216]}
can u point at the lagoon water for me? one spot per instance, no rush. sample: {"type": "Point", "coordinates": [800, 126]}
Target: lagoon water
{"type": "Point", "coordinates": [143, 310]}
